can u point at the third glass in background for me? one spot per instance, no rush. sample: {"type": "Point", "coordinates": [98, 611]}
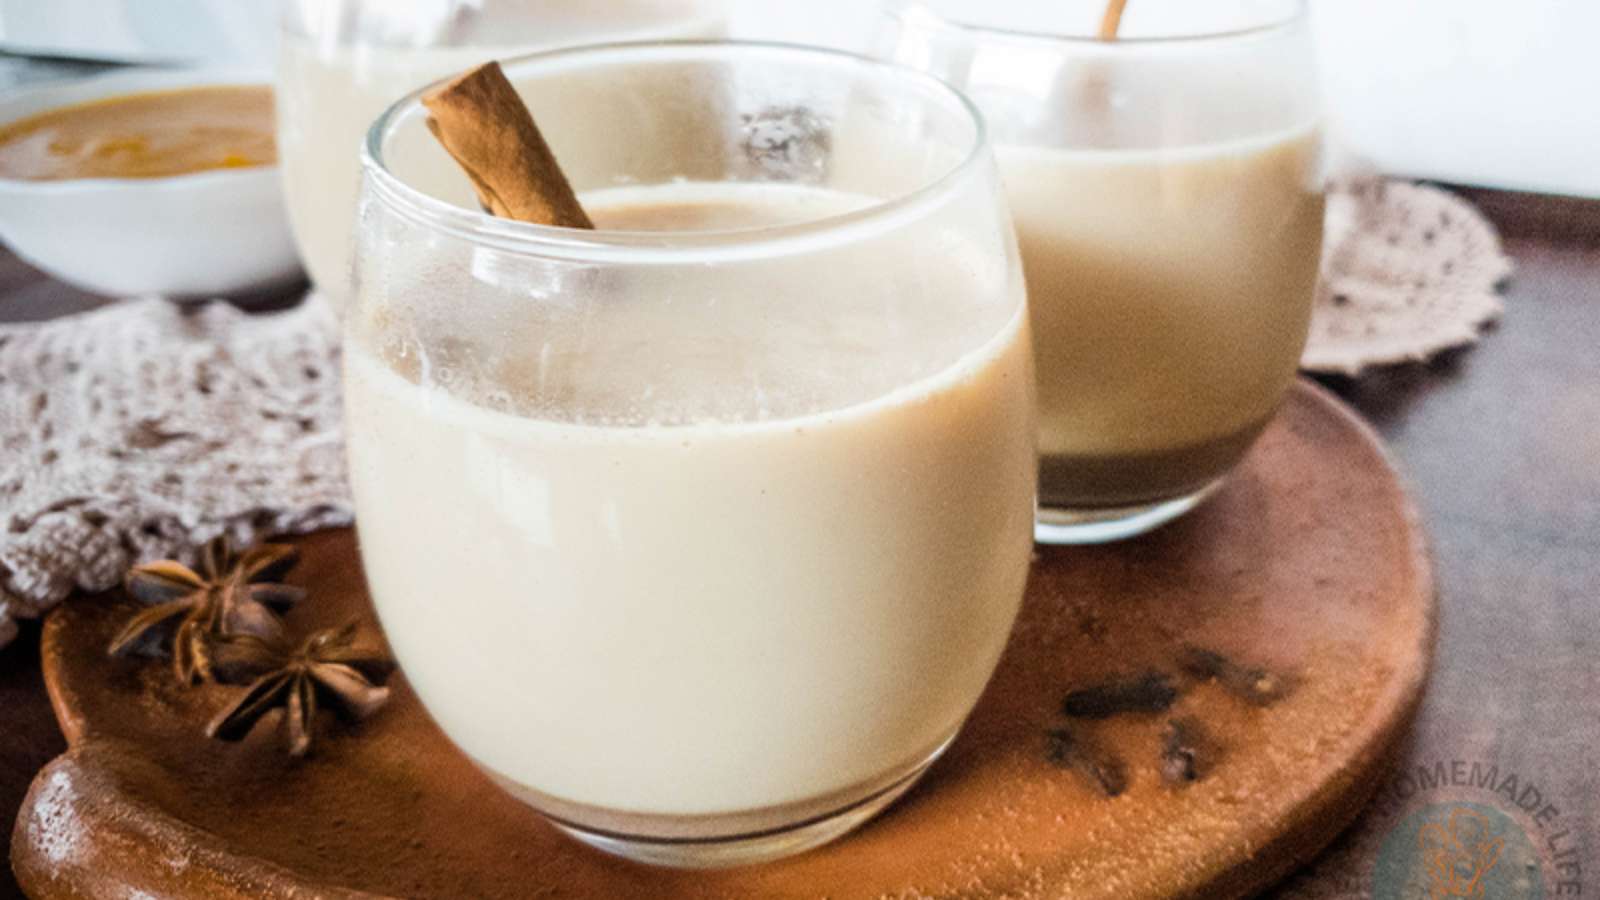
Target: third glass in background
{"type": "Point", "coordinates": [1166, 190]}
{"type": "Point", "coordinates": [343, 62]}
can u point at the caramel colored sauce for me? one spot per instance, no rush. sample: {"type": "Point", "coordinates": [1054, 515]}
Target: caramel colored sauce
{"type": "Point", "coordinates": [147, 135]}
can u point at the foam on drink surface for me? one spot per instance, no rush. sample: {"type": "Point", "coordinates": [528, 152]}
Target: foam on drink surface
{"type": "Point", "coordinates": [654, 344]}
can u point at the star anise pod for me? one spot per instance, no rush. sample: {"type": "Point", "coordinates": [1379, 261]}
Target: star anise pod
{"type": "Point", "coordinates": [328, 668]}
{"type": "Point", "coordinates": [188, 610]}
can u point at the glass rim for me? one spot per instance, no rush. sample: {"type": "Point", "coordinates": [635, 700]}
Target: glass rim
{"type": "Point", "coordinates": [902, 10]}
{"type": "Point", "coordinates": [610, 245]}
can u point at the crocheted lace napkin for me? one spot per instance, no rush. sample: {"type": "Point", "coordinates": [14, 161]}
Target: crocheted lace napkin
{"type": "Point", "coordinates": [1408, 270]}
{"type": "Point", "coordinates": [144, 429]}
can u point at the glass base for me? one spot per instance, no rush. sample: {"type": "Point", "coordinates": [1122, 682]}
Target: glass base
{"type": "Point", "coordinates": [752, 846]}
{"type": "Point", "coordinates": [1100, 525]}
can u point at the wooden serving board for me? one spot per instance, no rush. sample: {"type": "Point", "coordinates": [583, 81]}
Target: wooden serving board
{"type": "Point", "coordinates": [1310, 562]}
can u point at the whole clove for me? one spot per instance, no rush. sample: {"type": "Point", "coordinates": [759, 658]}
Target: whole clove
{"type": "Point", "coordinates": [1098, 767]}
{"type": "Point", "coordinates": [1187, 751]}
{"type": "Point", "coordinates": [1149, 692]}
{"type": "Point", "coordinates": [1252, 684]}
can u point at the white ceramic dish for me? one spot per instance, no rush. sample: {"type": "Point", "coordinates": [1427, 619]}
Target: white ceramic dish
{"type": "Point", "coordinates": [209, 234]}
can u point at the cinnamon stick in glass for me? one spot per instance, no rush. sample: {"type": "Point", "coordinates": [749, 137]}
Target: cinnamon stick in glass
{"type": "Point", "coordinates": [1111, 20]}
{"type": "Point", "coordinates": [485, 126]}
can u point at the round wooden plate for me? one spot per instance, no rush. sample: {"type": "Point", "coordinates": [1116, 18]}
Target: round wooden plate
{"type": "Point", "coordinates": [1310, 563]}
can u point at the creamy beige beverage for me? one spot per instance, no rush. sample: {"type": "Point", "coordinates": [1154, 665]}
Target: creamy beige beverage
{"type": "Point", "coordinates": [1170, 291]}
{"type": "Point", "coordinates": [769, 573]}
{"type": "Point", "coordinates": [329, 93]}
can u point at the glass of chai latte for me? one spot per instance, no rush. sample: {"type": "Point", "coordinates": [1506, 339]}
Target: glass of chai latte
{"type": "Point", "coordinates": [343, 62]}
{"type": "Point", "coordinates": [701, 532]}
{"type": "Point", "coordinates": [1167, 194]}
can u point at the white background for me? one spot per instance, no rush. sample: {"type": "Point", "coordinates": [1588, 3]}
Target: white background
{"type": "Point", "coordinates": [1497, 92]}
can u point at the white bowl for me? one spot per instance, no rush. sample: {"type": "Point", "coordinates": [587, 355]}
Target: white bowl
{"type": "Point", "coordinates": [215, 233]}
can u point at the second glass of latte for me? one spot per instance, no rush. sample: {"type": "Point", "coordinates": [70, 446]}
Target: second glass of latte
{"type": "Point", "coordinates": [1164, 174]}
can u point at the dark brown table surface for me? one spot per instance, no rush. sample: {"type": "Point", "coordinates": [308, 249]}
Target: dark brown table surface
{"type": "Point", "coordinates": [1501, 445]}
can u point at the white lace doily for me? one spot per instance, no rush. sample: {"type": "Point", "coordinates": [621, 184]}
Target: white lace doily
{"type": "Point", "coordinates": [143, 429]}
{"type": "Point", "coordinates": [1407, 270]}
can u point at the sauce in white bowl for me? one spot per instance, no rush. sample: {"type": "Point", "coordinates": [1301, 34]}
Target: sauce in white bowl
{"type": "Point", "coordinates": [176, 222]}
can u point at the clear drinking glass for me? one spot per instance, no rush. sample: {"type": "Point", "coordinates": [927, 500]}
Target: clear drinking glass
{"type": "Point", "coordinates": [343, 62]}
{"type": "Point", "coordinates": [701, 532]}
{"type": "Point", "coordinates": [1167, 195]}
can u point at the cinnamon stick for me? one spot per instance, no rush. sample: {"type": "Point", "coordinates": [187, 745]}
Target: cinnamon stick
{"type": "Point", "coordinates": [1111, 20]}
{"type": "Point", "coordinates": [484, 125]}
